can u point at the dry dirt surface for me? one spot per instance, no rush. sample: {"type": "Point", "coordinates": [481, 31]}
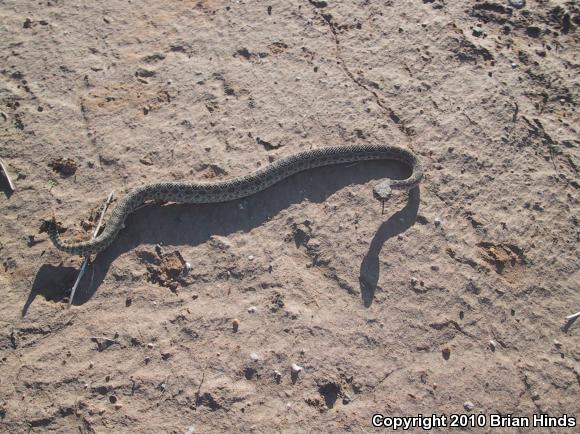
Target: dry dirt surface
{"type": "Point", "coordinates": [456, 297]}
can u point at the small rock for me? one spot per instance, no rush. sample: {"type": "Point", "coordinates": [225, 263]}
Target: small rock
{"type": "Point", "coordinates": [166, 356]}
{"type": "Point", "coordinates": [150, 345]}
{"type": "Point", "coordinates": [91, 364]}
{"type": "Point", "coordinates": [518, 4]}
{"type": "Point", "coordinates": [254, 357]}
{"type": "Point", "coordinates": [477, 32]}
{"type": "Point", "coordinates": [118, 406]}
{"type": "Point", "coordinates": [400, 237]}
{"type": "Point", "coordinates": [414, 281]}
{"type": "Point", "coordinates": [534, 32]}
{"type": "Point", "coordinates": [142, 72]}
{"type": "Point", "coordinates": [437, 222]}
{"type": "Point", "coordinates": [557, 343]}
{"type": "Point", "coordinates": [250, 257]}
{"type": "Point", "coordinates": [277, 376]}
{"type": "Point", "coordinates": [468, 405]}
{"type": "Point", "coordinates": [346, 399]}
{"type": "Point", "coordinates": [296, 369]}
{"type": "Point", "coordinates": [235, 325]}
{"type": "Point", "coordinates": [514, 65]}
{"type": "Point", "coordinates": [252, 309]}
{"type": "Point", "coordinates": [446, 352]}
{"type": "Point", "coordinates": [492, 345]}
{"type": "Point", "coordinates": [186, 268]}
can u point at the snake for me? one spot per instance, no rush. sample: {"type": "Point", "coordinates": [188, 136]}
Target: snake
{"type": "Point", "coordinates": [244, 186]}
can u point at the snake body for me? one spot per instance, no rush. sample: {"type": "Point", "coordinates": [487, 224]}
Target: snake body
{"type": "Point", "coordinates": [243, 186]}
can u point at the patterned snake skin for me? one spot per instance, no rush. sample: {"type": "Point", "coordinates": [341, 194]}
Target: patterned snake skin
{"type": "Point", "coordinates": [242, 186]}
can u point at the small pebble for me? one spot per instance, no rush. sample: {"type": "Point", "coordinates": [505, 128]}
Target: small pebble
{"type": "Point", "coordinates": [437, 222]}
{"type": "Point", "coordinates": [277, 376]}
{"type": "Point", "coordinates": [296, 369]}
{"type": "Point", "coordinates": [187, 268]}
{"type": "Point", "coordinates": [492, 345]}
{"type": "Point", "coordinates": [91, 364]}
{"type": "Point", "coordinates": [252, 309]}
{"type": "Point", "coordinates": [518, 4]}
{"type": "Point", "coordinates": [468, 405]}
{"type": "Point", "coordinates": [150, 345]}
{"type": "Point", "coordinates": [235, 325]}
{"type": "Point", "coordinates": [400, 237]}
{"type": "Point", "coordinates": [250, 257]}
{"type": "Point", "coordinates": [446, 352]}
{"type": "Point", "coordinates": [254, 357]}
{"type": "Point", "coordinates": [118, 406]}
{"type": "Point", "coordinates": [477, 31]}
{"type": "Point", "coordinates": [414, 281]}
{"type": "Point", "coordinates": [514, 65]}
{"type": "Point", "coordinates": [557, 343]}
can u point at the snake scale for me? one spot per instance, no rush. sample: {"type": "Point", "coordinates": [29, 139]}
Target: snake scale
{"type": "Point", "coordinates": [243, 186]}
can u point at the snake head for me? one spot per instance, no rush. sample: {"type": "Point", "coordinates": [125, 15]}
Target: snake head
{"type": "Point", "coordinates": [382, 191]}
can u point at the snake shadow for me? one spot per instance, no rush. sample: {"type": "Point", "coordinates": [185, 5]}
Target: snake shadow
{"type": "Point", "coordinates": [185, 224]}
{"type": "Point", "coordinates": [396, 224]}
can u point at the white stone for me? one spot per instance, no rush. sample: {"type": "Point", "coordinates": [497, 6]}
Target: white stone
{"type": "Point", "coordinates": [296, 368]}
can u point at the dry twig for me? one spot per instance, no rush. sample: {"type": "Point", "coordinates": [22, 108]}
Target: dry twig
{"type": "Point", "coordinates": [86, 261]}
{"type": "Point", "coordinates": [5, 170]}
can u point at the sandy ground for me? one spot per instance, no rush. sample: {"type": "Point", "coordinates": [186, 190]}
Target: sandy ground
{"type": "Point", "coordinates": [457, 294]}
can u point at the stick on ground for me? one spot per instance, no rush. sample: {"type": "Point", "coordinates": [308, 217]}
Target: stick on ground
{"type": "Point", "coordinates": [86, 261]}
{"type": "Point", "coordinates": [574, 315]}
{"type": "Point", "coordinates": [6, 174]}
